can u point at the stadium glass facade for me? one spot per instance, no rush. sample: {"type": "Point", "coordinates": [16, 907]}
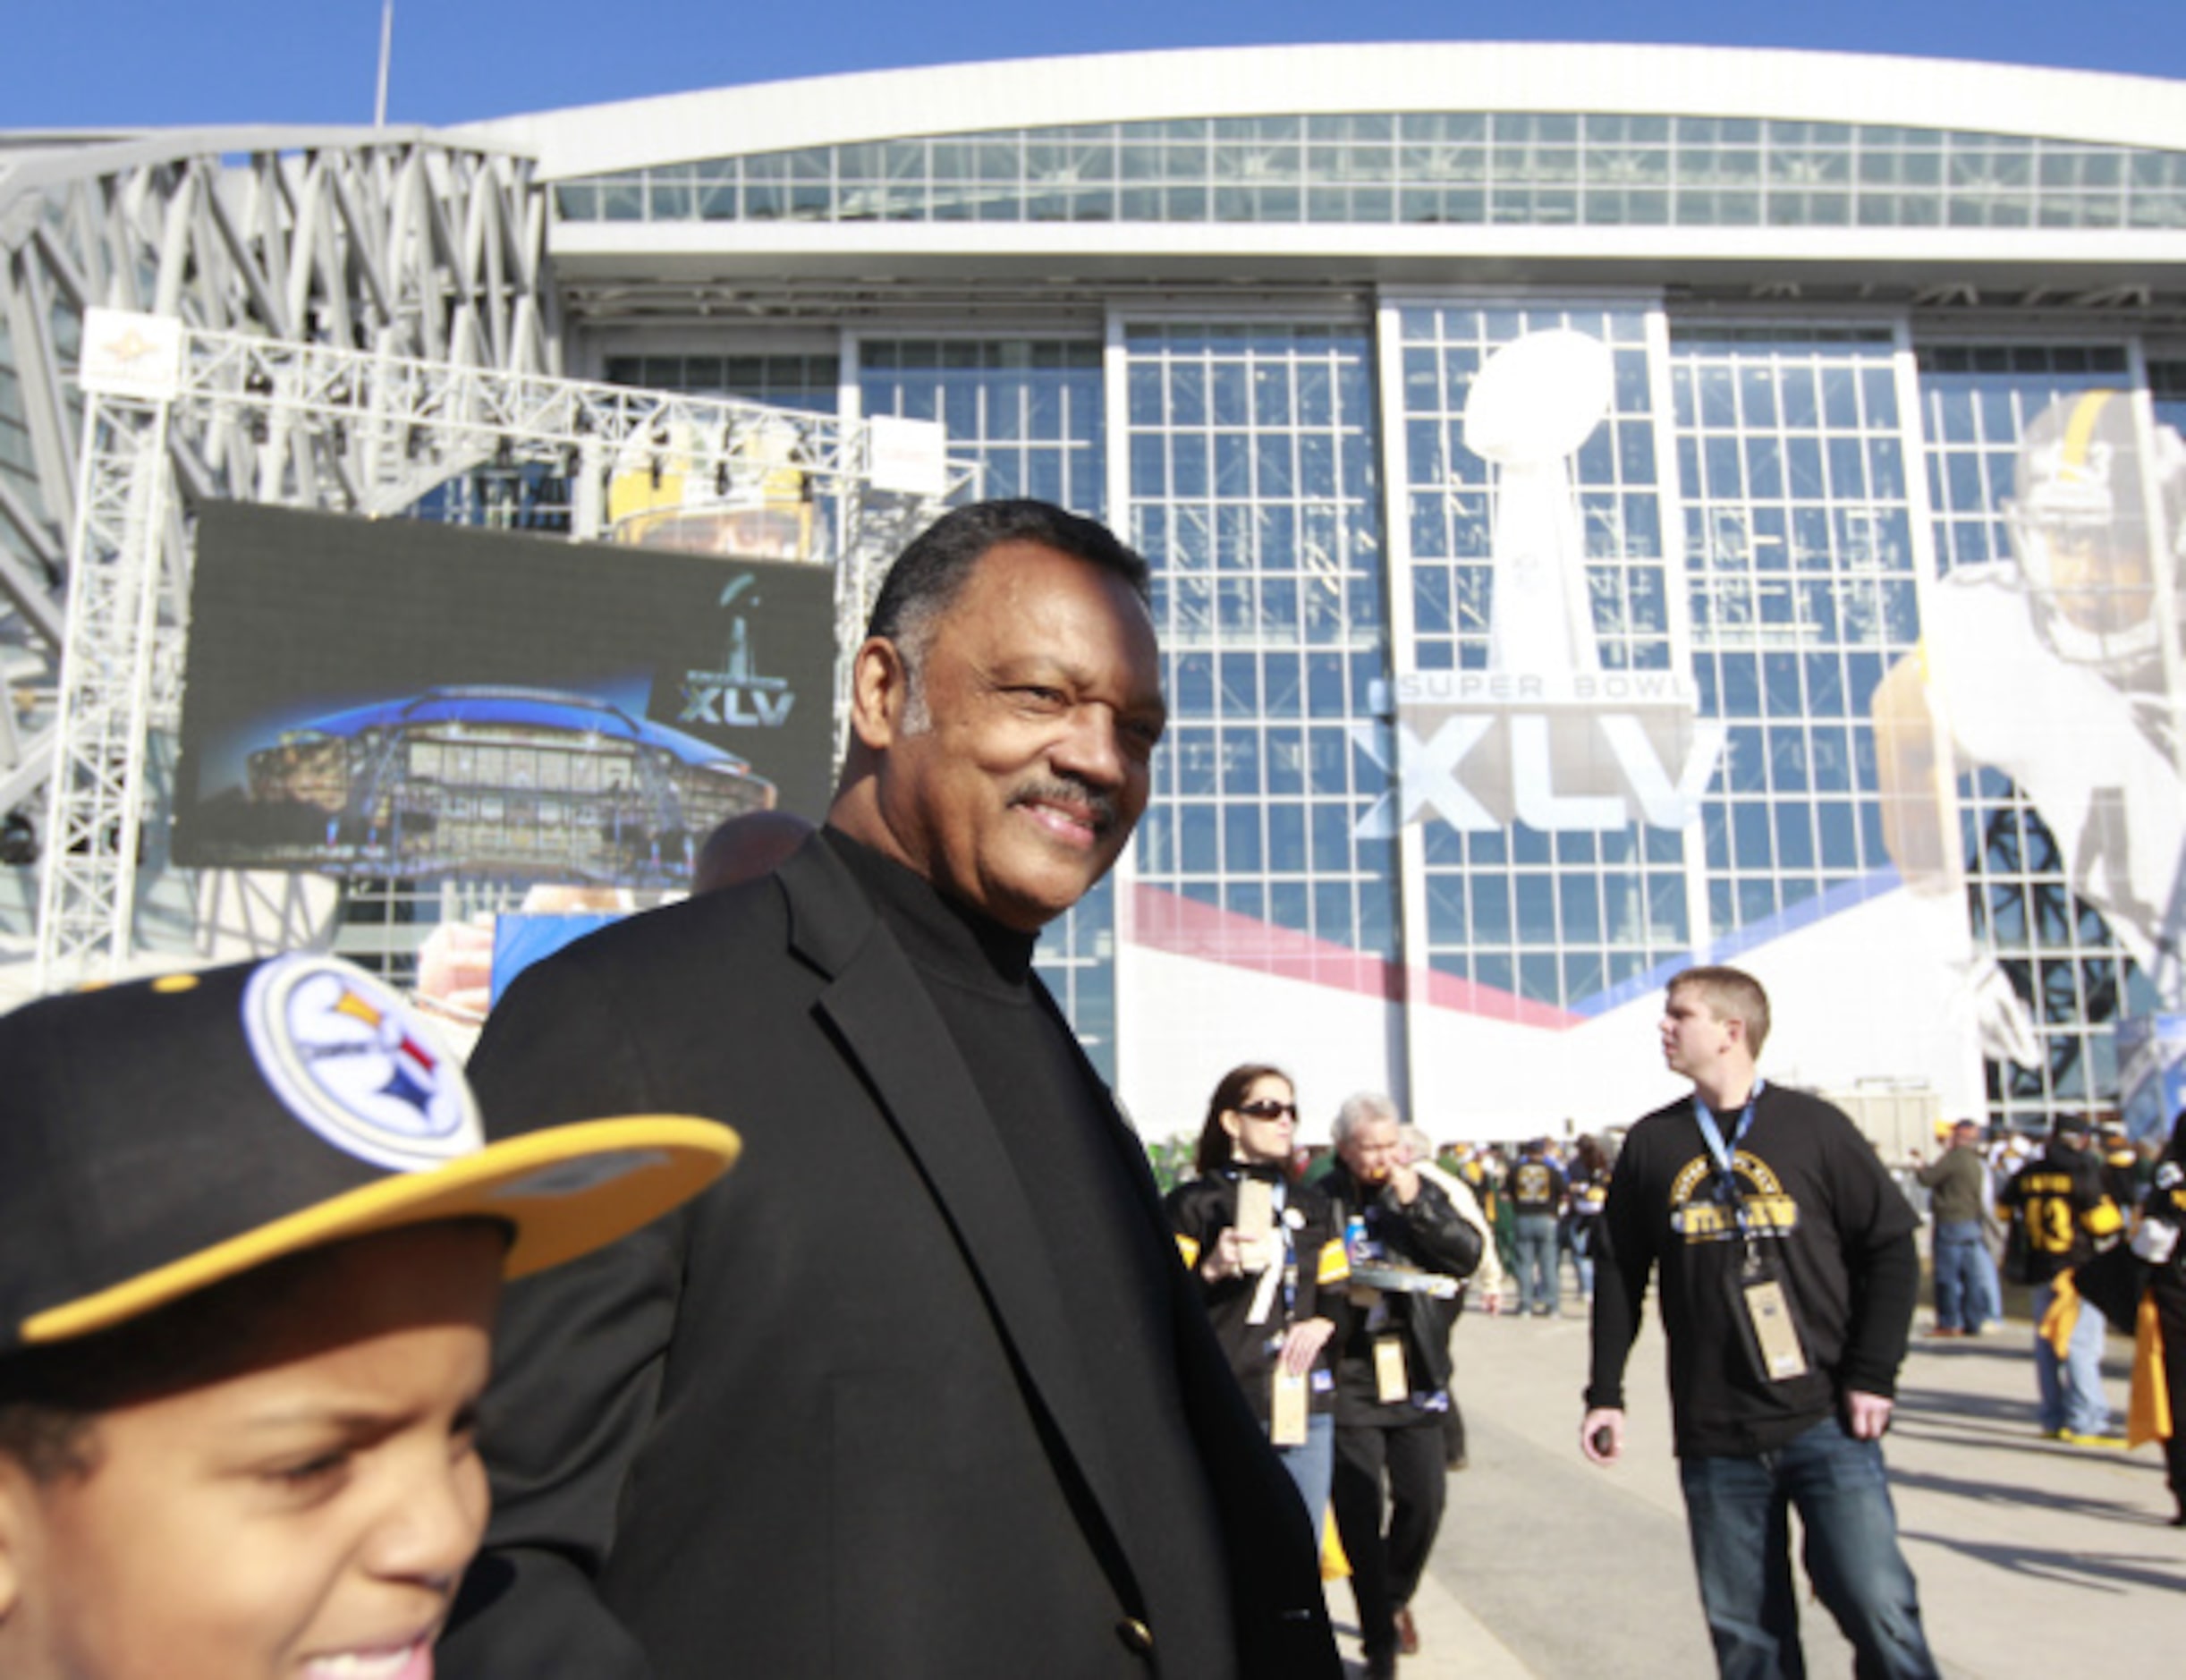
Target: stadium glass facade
{"type": "Point", "coordinates": [1608, 509]}
{"type": "Point", "coordinates": [1534, 167]}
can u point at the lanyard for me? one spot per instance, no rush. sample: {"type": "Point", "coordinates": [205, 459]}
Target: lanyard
{"type": "Point", "coordinates": [1289, 1267]}
{"type": "Point", "coordinates": [1724, 1154]}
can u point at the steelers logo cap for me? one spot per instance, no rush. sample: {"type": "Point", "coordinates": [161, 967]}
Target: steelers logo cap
{"type": "Point", "coordinates": [162, 1136]}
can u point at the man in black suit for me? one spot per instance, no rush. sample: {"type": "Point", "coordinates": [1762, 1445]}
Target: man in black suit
{"type": "Point", "coordinates": [925, 1392]}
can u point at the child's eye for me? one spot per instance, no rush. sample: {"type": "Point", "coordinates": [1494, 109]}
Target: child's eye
{"type": "Point", "coordinates": [312, 1471]}
{"type": "Point", "coordinates": [463, 1433]}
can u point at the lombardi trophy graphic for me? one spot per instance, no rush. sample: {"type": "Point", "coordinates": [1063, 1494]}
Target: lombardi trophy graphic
{"type": "Point", "coordinates": [1535, 403]}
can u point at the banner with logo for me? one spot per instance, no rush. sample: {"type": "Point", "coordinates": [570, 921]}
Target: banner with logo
{"type": "Point", "coordinates": [402, 700]}
{"type": "Point", "coordinates": [1547, 732]}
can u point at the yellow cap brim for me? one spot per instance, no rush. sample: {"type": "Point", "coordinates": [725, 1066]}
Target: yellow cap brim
{"type": "Point", "coordinates": [564, 1192]}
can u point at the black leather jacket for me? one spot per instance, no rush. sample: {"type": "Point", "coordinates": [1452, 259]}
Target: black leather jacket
{"type": "Point", "coordinates": [1428, 1232]}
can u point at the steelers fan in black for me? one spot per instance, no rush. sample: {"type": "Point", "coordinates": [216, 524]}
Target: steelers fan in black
{"type": "Point", "coordinates": [1818, 1206]}
{"type": "Point", "coordinates": [1788, 1273]}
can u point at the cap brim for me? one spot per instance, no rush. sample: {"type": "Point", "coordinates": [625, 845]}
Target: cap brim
{"type": "Point", "coordinates": [564, 1192]}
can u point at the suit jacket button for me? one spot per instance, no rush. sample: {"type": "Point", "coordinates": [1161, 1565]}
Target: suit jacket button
{"type": "Point", "coordinates": [1136, 1635]}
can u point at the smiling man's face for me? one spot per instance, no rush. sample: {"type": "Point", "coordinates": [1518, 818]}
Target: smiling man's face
{"type": "Point", "coordinates": [1040, 691]}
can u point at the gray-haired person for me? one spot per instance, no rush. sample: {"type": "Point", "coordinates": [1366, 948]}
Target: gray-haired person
{"type": "Point", "coordinates": [1393, 1371]}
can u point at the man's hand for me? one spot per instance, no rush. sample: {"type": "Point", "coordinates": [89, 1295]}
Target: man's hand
{"type": "Point", "coordinates": [1303, 1342]}
{"type": "Point", "coordinates": [1867, 1415]}
{"type": "Point", "coordinates": [1405, 1181]}
{"type": "Point", "coordinates": [1601, 1435]}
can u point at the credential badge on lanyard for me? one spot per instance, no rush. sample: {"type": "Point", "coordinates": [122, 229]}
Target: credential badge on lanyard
{"type": "Point", "coordinates": [1767, 1309]}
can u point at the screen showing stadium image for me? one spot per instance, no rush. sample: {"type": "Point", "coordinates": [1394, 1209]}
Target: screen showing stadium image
{"type": "Point", "coordinates": [406, 700]}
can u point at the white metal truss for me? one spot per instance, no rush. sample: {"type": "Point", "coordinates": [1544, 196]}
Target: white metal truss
{"type": "Point", "coordinates": [362, 433]}
{"type": "Point", "coordinates": [86, 890]}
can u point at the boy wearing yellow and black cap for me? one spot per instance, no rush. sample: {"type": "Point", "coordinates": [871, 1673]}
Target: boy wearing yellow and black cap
{"type": "Point", "coordinates": [251, 1240]}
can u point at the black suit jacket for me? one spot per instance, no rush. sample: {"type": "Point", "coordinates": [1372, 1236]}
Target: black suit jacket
{"type": "Point", "coordinates": [829, 1420]}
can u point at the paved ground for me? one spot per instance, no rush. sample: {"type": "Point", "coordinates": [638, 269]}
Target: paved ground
{"type": "Point", "coordinates": [2034, 1559]}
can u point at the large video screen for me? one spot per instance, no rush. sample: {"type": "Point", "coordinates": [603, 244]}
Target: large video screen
{"type": "Point", "coordinates": [406, 700]}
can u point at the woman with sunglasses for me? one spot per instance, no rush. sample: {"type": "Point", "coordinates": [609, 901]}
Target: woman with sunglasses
{"type": "Point", "coordinates": [1271, 1298]}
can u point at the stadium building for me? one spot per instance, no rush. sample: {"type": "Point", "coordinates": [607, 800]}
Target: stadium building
{"type": "Point", "coordinates": [1610, 508]}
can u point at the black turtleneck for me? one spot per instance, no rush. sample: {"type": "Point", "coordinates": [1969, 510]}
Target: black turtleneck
{"type": "Point", "coordinates": [1112, 1258]}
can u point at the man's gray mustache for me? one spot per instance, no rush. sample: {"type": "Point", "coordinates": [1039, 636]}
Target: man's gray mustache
{"type": "Point", "coordinates": [1102, 806]}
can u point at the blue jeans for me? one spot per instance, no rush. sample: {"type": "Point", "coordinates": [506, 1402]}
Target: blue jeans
{"type": "Point", "coordinates": [1737, 1511]}
{"type": "Point", "coordinates": [1967, 1292]}
{"type": "Point", "coordinates": [1586, 1236]}
{"type": "Point", "coordinates": [1538, 1263]}
{"type": "Point", "coordinates": [1312, 1465]}
{"type": "Point", "coordinates": [2071, 1387]}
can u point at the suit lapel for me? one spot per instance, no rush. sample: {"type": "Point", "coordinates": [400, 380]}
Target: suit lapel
{"type": "Point", "coordinates": [878, 1004]}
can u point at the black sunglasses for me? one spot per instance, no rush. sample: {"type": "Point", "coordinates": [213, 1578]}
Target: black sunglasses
{"type": "Point", "coordinates": [1266, 1109]}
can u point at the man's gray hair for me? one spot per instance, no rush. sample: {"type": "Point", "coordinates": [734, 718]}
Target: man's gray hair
{"type": "Point", "coordinates": [1360, 1108]}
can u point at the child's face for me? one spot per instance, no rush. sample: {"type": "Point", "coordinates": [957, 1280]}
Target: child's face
{"type": "Point", "coordinates": [308, 1518]}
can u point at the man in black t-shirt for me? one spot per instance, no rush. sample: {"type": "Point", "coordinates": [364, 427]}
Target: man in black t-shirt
{"type": "Point", "coordinates": [1788, 1274]}
{"type": "Point", "coordinates": [1538, 1193]}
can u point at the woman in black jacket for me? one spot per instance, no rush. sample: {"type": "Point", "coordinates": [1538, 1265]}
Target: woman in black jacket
{"type": "Point", "coordinates": [1271, 1298]}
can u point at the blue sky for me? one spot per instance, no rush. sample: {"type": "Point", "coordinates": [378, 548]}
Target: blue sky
{"type": "Point", "coordinates": [101, 63]}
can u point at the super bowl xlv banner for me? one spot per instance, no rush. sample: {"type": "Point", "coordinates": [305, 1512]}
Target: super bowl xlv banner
{"type": "Point", "coordinates": [1543, 735]}
{"type": "Point", "coordinates": [1597, 751]}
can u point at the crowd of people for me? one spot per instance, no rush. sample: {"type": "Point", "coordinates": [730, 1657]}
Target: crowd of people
{"type": "Point", "coordinates": [937, 1382]}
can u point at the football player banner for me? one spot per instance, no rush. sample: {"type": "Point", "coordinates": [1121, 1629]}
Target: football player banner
{"type": "Point", "coordinates": [402, 699]}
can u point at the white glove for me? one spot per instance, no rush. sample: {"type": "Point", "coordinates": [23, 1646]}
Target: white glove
{"type": "Point", "coordinates": [2154, 1241]}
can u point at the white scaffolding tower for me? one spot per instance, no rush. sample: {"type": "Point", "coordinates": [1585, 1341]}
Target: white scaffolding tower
{"type": "Point", "coordinates": [367, 433]}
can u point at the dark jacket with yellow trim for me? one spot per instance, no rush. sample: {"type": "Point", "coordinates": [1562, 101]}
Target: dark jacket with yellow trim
{"type": "Point", "coordinates": [1199, 1212]}
{"type": "Point", "coordinates": [2059, 1199]}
